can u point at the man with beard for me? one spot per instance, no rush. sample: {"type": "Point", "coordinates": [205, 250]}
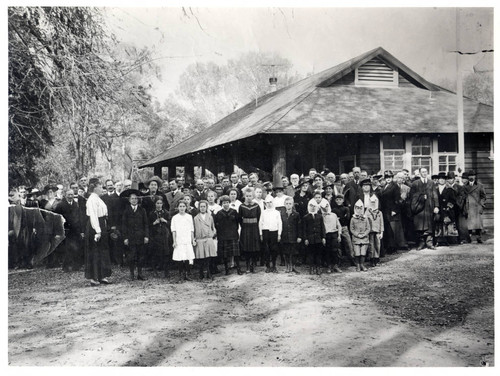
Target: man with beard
{"type": "Point", "coordinates": [424, 204]}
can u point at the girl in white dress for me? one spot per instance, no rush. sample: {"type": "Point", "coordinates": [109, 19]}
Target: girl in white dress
{"type": "Point", "coordinates": [183, 238]}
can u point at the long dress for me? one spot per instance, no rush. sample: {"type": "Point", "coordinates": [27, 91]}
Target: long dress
{"type": "Point", "coordinates": [97, 259]}
{"type": "Point", "coordinates": [182, 224]}
{"type": "Point", "coordinates": [249, 221]}
{"type": "Point", "coordinates": [159, 237]}
{"type": "Point", "coordinates": [204, 232]}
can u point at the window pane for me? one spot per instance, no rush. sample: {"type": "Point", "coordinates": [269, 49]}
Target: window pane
{"type": "Point", "coordinates": [442, 159]}
{"type": "Point", "coordinates": [426, 150]}
{"type": "Point", "coordinates": [448, 143]}
{"type": "Point", "coordinates": [396, 142]}
{"type": "Point", "coordinates": [452, 158]}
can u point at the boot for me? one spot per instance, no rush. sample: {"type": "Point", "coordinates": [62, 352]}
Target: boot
{"type": "Point", "coordinates": [140, 277]}
{"type": "Point", "coordinates": [186, 276]}
{"type": "Point", "coordinates": [226, 267]}
{"type": "Point", "coordinates": [358, 264]}
{"type": "Point", "coordinates": [362, 263]}
{"type": "Point", "coordinates": [132, 276]}
{"type": "Point", "coordinates": [248, 265]}
{"type": "Point", "coordinates": [238, 269]}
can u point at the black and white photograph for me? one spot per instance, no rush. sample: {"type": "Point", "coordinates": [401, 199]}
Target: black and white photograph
{"type": "Point", "coordinates": [272, 185]}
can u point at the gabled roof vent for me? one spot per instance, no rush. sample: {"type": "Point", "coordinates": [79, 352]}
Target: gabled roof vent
{"type": "Point", "coordinates": [376, 72]}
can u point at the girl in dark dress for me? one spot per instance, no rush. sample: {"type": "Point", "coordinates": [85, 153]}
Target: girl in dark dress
{"type": "Point", "coordinates": [160, 239]}
{"type": "Point", "coordinates": [97, 260]}
{"type": "Point", "coordinates": [249, 214]}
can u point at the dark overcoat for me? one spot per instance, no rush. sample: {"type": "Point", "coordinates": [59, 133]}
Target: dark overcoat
{"type": "Point", "coordinates": [135, 226]}
{"type": "Point", "coordinates": [476, 198]}
{"type": "Point", "coordinates": [423, 201]}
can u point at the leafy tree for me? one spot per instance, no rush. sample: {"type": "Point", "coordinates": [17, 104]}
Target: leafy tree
{"type": "Point", "coordinates": [69, 81]}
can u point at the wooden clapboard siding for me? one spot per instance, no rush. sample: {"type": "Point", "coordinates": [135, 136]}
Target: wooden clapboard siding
{"type": "Point", "coordinates": [477, 157]}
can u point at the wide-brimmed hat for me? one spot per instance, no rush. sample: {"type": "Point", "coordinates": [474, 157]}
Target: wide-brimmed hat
{"type": "Point", "coordinates": [450, 175]}
{"type": "Point", "coordinates": [465, 175]}
{"type": "Point", "coordinates": [377, 177]}
{"type": "Point", "coordinates": [48, 187]}
{"type": "Point", "coordinates": [434, 177]}
{"type": "Point", "coordinates": [157, 179]}
{"type": "Point", "coordinates": [278, 188]}
{"type": "Point", "coordinates": [33, 192]}
{"type": "Point", "coordinates": [471, 173]}
{"type": "Point", "coordinates": [388, 174]}
{"type": "Point", "coordinates": [365, 182]}
{"type": "Point", "coordinates": [128, 192]}
{"type": "Point", "coordinates": [442, 175]}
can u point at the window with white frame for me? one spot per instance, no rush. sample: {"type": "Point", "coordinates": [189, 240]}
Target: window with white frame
{"type": "Point", "coordinates": [393, 152]}
{"type": "Point", "coordinates": [421, 149]}
{"type": "Point", "coordinates": [447, 152]}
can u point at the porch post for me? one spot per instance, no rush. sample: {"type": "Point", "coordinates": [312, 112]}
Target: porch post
{"type": "Point", "coordinates": [279, 161]}
{"type": "Point", "coordinates": [157, 170]}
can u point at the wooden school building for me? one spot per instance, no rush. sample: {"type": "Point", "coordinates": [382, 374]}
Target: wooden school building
{"type": "Point", "coordinates": [371, 111]}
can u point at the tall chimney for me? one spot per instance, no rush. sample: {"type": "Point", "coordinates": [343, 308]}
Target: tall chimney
{"type": "Point", "coordinates": [272, 84]}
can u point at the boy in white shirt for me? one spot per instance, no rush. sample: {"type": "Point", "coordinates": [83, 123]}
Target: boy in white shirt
{"type": "Point", "coordinates": [270, 227]}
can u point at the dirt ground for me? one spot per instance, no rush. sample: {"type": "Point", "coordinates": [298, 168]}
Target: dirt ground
{"type": "Point", "coordinates": [418, 308]}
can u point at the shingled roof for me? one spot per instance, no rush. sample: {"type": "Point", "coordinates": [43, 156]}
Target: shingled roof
{"type": "Point", "coordinates": [316, 105]}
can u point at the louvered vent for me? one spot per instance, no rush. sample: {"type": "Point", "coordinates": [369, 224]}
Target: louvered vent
{"type": "Point", "coordinates": [376, 73]}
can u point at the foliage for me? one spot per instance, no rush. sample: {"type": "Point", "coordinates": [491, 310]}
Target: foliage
{"type": "Point", "coordinates": [213, 91]}
{"type": "Point", "coordinates": [86, 90]}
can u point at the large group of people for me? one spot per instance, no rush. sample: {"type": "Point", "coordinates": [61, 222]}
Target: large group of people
{"type": "Point", "coordinates": [317, 220]}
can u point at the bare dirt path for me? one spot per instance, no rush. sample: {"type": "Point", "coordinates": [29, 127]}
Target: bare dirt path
{"type": "Point", "coordinates": [427, 308]}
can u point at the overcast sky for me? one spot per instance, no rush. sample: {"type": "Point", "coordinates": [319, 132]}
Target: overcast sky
{"type": "Point", "coordinates": [313, 39]}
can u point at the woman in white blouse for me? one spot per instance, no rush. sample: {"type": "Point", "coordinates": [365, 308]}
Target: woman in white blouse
{"type": "Point", "coordinates": [97, 259]}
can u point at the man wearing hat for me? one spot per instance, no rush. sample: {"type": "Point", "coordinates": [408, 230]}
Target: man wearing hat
{"type": "Point", "coordinates": [445, 219]}
{"type": "Point", "coordinates": [461, 205]}
{"type": "Point", "coordinates": [153, 185]}
{"type": "Point", "coordinates": [390, 202]}
{"type": "Point", "coordinates": [476, 199]}
{"type": "Point", "coordinates": [424, 204]}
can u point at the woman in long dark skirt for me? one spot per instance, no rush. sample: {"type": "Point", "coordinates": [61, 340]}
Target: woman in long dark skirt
{"type": "Point", "coordinates": [97, 259]}
{"type": "Point", "coordinates": [160, 238]}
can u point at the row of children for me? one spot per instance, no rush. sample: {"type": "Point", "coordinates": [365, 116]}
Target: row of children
{"type": "Point", "coordinates": [227, 234]}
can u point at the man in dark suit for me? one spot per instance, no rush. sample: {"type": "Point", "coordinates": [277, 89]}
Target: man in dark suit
{"type": "Point", "coordinates": [153, 186]}
{"type": "Point", "coordinates": [390, 204]}
{"type": "Point", "coordinates": [352, 189]}
{"type": "Point", "coordinates": [234, 184]}
{"type": "Point", "coordinates": [199, 192]}
{"type": "Point", "coordinates": [424, 204]}
{"type": "Point", "coordinates": [173, 197]}
{"type": "Point", "coordinates": [73, 229]}
{"type": "Point", "coordinates": [115, 209]}
{"type": "Point", "coordinates": [135, 228]}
